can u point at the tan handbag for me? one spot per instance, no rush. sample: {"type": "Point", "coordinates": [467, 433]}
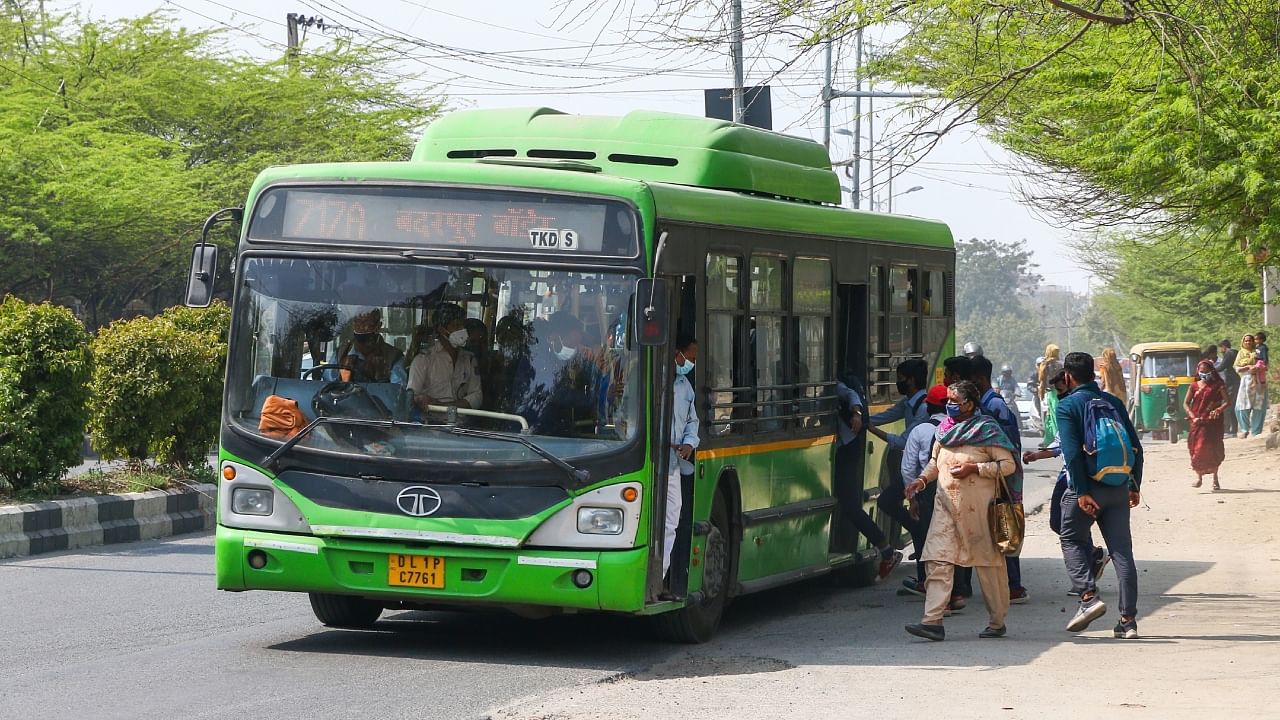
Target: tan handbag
{"type": "Point", "coordinates": [1007, 520]}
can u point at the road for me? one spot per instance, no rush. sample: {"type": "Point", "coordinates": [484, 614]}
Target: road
{"type": "Point", "coordinates": [138, 631]}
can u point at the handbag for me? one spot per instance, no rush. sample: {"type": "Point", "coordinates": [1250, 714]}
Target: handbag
{"type": "Point", "coordinates": [1008, 521]}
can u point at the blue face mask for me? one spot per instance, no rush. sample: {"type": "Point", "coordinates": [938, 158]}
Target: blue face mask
{"type": "Point", "coordinates": [953, 410]}
{"type": "Point", "coordinates": [685, 367]}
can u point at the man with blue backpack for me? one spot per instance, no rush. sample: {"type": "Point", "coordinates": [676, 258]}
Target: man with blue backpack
{"type": "Point", "coordinates": [1103, 456]}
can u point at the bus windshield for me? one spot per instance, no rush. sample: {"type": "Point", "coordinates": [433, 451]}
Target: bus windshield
{"type": "Point", "coordinates": [537, 352]}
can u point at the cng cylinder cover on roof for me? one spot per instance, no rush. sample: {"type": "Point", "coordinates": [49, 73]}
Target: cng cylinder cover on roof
{"type": "Point", "coordinates": [642, 145]}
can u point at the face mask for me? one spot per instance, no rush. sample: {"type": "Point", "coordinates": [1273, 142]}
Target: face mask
{"type": "Point", "coordinates": [363, 338]}
{"type": "Point", "coordinates": [685, 367]}
{"type": "Point", "coordinates": [458, 338]}
{"type": "Point", "coordinates": [903, 389]}
{"type": "Point", "coordinates": [566, 353]}
{"type": "Point", "coordinates": [953, 410]}
{"type": "Point", "coordinates": [1205, 376]}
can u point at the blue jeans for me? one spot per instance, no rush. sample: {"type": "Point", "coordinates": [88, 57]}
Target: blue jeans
{"type": "Point", "coordinates": [1077, 541]}
{"type": "Point", "coordinates": [1251, 421]}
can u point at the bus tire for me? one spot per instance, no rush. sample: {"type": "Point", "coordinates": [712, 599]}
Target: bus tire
{"type": "Point", "coordinates": [345, 611]}
{"type": "Point", "coordinates": [697, 622]}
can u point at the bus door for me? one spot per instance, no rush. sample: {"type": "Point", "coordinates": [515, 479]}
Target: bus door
{"type": "Point", "coordinates": [851, 360]}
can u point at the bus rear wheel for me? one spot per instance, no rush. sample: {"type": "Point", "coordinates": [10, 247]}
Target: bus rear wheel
{"type": "Point", "coordinates": [345, 611]}
{"type": "Point", "coordinates": [697, 622]}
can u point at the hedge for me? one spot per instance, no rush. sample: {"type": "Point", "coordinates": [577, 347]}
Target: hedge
{"type": "Point", "coordinates": [45, 366]}
{"type": "Point", "coordinates": [157, 386]}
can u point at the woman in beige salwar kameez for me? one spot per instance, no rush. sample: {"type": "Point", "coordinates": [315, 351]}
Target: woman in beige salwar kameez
{"type": "Point", "coordinates": [972, 453]}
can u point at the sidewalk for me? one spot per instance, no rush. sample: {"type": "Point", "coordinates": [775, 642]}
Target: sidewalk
{"type": "Point", "coordinates": [1209, 589]}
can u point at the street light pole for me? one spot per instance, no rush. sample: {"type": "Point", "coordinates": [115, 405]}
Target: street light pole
{"type": "Point", "coordinates": [736, 49]}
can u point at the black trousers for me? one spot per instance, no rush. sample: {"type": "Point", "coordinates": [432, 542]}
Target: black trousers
{"type": "Point", "coordinates": [848, 489]}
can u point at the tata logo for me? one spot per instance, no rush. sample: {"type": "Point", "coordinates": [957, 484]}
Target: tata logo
{"type": "Point", "coordinates": [418, 501]}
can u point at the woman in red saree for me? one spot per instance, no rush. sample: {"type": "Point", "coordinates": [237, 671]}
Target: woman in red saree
{"type": "Point", "coordinates": [1206, 401]}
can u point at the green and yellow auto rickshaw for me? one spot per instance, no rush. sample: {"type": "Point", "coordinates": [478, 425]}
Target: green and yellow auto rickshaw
{"type": "Point", "coordinates": [1160, 375]}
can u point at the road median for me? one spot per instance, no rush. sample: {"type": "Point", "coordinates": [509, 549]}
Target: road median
{"type": "Point", "coordinates": [35, 528]}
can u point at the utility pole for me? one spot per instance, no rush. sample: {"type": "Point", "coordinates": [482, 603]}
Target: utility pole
{"type": "Point", "coordinates": [857, 122]}
{"type": "Point", "coordinates": [739, 109]}
{"type": "Point", "coordinates": [826, 97]}
{"type": "Point", "coordinates": [291, 23]}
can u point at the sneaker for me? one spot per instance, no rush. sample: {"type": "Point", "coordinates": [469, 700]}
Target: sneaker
{"type": "Point", "coordinates": [991, 632]}
{"type": "Point", "coordinates": [1075, 592]}
{"type": "Point", "coordinates": [1100, 560]}
{"type": "Point", "coordinates": [887, 564]}
{"type": "Point", "coordinates": [1090, 610]}
{"type": "Point", "coordinates": [935, 633]}
{"type": "Point", "coordinates": [912, 586]}
{"type": "Point", "coordinates": [1126, 630]}
{"type": "Point", "coordinates": [1019, 596]}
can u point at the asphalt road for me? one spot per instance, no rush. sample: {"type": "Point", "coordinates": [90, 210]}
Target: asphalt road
{"type": "Point", "coordinates": [138, 631]}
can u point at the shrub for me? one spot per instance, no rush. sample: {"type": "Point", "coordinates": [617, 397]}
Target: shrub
{"type": "Point", "coordinates": [157, 385]}
{"type": "Point", "coordinates": [45, 366]}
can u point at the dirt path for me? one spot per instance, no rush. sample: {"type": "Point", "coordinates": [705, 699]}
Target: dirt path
{"type": "Point", "coordinates": [1209, 595]}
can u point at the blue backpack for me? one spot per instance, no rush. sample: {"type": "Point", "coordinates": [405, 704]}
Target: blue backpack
{"type": "Point", "coordinates": [1107, 442]}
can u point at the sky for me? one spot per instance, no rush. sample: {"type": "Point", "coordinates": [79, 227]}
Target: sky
{"type": "Point", "coordinates": [520, 53]}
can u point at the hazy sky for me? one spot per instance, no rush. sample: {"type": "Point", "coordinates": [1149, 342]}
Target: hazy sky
{"type": "Point", "coordinates": [511, 53]}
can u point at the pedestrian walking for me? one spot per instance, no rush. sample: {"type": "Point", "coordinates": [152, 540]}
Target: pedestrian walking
{"type": "Point", "coordinates": [971, 456]}
{"type": "Point", "coordinates": [1225, 366]}
{"type": "Point", "coordinates": [1264, 356]}
{"type": "Point", "coordinates": [1100, 556]}
{"type": "Point", "coordinates": [1251, 399]}
{"type": "Point", "coordinates": [1097, 438]}
{"type": "Point", "coordinates": [1047, 368]}
{"type": "Point", "coordinates": [1206, 404]}
{"type": "Point", "coordinates": [915, 459]}
{"type": "Point", "coordinates": [994, 406]}
{"type": "Point", "coordinates": [1113, 376]}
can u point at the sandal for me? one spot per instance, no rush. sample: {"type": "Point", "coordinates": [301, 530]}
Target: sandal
{"type": "Point", "coordinates": [1216, 486]}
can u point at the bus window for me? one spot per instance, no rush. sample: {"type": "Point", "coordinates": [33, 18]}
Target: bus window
{"type": "Point", "coordinates": [811, 303]}
{"type": "Point", "coordinates": [766, 341]}
{"type": "Point", "coordinates": [902, 290]}
{"type": "Point", "coordinates": [934, 304]}
{"type": "Point", "coordinates": [724, 362]}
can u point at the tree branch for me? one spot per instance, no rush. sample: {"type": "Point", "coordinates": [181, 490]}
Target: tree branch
{"type": "Point", "coordinates": [1129, 14]}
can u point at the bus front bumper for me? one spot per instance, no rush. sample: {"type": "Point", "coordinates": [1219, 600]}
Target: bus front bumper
{"type": "Point", "coordinates": [471, 575]}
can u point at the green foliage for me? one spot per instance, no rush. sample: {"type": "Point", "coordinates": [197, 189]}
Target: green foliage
{"type": "Point", "coordinates": [1171, 290]}
{"type": "Point", "coordinates": [993, 281]}
{"type": "Point", "coordinates": [118, 139]}
{"type": "Point", "coordinates": [45, 367]}
{"type": "Point", "coordinates": [157, 386]}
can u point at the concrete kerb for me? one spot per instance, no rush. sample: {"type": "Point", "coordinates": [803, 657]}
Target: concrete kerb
{"type": "Point", "coordinates": [37, 528]}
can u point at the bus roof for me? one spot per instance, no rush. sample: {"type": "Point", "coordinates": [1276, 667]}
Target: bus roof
{"type": "Point", "coordinates": [643, 145]}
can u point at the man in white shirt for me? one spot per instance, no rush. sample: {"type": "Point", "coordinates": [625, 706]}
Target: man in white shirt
{"type": "Point", "coordinates": [684, 440]}
{"type": "Point", "coordinates": [445, 374]}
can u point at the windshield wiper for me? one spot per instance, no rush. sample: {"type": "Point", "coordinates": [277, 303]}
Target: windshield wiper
{"type": "Point", "coordinates": [579, 475]}
{"type": "Point", "coordinates": [271, 460]}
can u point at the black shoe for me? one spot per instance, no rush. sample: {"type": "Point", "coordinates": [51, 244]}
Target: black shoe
{"type": "Point", "coordinates": [1100, 560]}
{"type": "Point", "coordinates": [1126, 630]}
{"type": "Point", "coordinates": [935, 633]}
{"type": "Point", "coordinates": [668, 596]}
{"type": "Point", "coordinates": [991, 632]}
{"type": "Point", "coordinates": [912, 586]}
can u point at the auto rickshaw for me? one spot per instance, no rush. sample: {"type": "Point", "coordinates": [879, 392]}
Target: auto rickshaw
{"type": "Point", "coordinates": [1160, 375]}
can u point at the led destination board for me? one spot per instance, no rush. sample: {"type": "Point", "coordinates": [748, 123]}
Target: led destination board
{"type": "Point", "coordinates": [436, 217]}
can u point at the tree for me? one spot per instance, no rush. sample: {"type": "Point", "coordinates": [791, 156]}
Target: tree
{"type": "Point", "coordinates": [1143, 114]}
{"type": "Point", "coordinates": [994, 281]}
{"type": "Point", "coordinates": [118, 139]}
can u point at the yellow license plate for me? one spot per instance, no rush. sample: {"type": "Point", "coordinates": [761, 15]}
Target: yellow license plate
{"type": "Point", "coordinates": [420, 571]}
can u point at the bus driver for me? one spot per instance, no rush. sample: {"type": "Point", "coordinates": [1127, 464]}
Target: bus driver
{"type": "Point", "coordinates": [369, 354]}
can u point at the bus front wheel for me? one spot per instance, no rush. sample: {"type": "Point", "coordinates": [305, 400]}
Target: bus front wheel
{"type": "Point", "coordinates": [697, 621]}
{"type": "Point", "coordinates": [344, 611]}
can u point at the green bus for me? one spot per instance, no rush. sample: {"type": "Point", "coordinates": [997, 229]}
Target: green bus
{"type": "Point", "coordinates": [577, 248]}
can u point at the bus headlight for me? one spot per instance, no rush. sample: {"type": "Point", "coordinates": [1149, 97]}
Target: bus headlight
{"type": "Point", "coordinates": [252, 501]}
{"type": "Point", "coordinates": [600, 521]}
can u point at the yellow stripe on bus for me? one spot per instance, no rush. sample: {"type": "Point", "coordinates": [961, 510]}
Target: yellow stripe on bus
{"type": "Point", "coordinates": [765, 447]}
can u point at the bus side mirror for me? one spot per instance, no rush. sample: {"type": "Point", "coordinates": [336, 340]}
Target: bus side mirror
{"type": "Point", "coordinates": [204, 266]}
{"type": "Point", "coordinates": [652, 312]}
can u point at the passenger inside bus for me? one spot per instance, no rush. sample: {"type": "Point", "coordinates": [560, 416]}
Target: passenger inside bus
{"type": "Point", "coordinates": [368, 354]}
{"type": "Point", "coordinates": [445, 373]}
{"type": "Point", "coordinates": [563, 401]}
